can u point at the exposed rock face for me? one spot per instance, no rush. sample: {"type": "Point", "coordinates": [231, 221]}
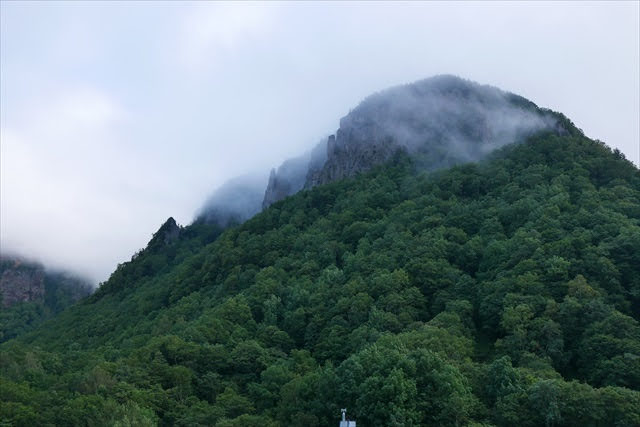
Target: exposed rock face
{"type": "Point", "coordinates": [347, 160]}
{"type": "Point", "coordinates": [288, 179]}
{"type": "Point", "coordinates": [20, 282]}
{"type": "Point", "coordinates": [25, 281]}
{"type": "Point", "coordinates": [444, 119]}
{"type": "Point", "coordinates": [31, 294]}
{"type": "Point", "coordinates": [440, 122]}
{"type": "Point", "coordinates": [168, 233]}
{"type": "Point", "coordinates": [277, 189]}
{"type": "Point", "coordinates": [172, 232]}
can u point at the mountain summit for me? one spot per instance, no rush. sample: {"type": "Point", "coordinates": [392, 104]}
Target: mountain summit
{"type": "Point", "coordinates": [443, 120]}
{"type": "Point", "coordinates": [439, 122]}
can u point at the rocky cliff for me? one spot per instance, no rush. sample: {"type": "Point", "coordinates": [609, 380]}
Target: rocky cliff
{"type": "Point", "coordinates": [25, 281]}
{"type": "Point", "coordinates": [20, 282]}
{"type": "Point", "coordinates": [443, 120]}
{"type": "Point", "coordinates": [440, 122]}
{"type": "Point", "coordinates": [31, 294]}
{"type": "Point", "coordinates": [291, 176]}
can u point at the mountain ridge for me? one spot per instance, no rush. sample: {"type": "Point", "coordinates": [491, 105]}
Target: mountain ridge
{"type": "Point", "coordinates": [445, 119]}
{"type": "Point", "coordinates": [499, 292]}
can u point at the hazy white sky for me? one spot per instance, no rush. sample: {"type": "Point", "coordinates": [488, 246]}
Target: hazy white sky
{"type": "Point", "coordinates": [117, 115]}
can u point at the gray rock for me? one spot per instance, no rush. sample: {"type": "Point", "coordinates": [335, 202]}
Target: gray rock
{"type": "Point", "coordinates": [170, 231]}
{"type": "Point", "coordinates": [440, 122]}
{"type": "Point", "coordinates": [291, 176]}
{"type": "Point", "coordinates": [28, 281]}
{"type": "Point", "coordinates": [20, 284]}
{"type": "Point", "coordinates": [446, 120]}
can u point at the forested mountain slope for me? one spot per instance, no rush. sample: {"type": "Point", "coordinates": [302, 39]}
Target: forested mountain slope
{"type": "Point", "coordinates": [505, 292]}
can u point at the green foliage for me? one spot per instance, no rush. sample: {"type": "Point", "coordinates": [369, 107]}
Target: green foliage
{"type": "Point", "coordinates": [500, 293]}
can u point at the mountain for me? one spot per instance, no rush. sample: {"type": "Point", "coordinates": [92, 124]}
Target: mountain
{"type": "Point", "coordinates": [30, 294]}
{"type": "Point", "coordinates": [445, 118]}
{"type": "Point", "coordinates": [504, 291]}
{"type": "Point", "coordinates": [442, 120]}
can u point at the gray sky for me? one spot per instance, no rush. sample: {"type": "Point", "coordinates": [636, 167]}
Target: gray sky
{"type": "Point", "coordinates": [116, 115]}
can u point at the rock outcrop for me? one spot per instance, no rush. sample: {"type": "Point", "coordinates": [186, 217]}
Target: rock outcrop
{"type": "Point", "coordinates": [345, 160]}
{"type": "Point", "coordinates": [25, 281]}
{"type": "Point", "coordinates": [20, 282]}
{"type": "Point", "coordinates": [443, 120]}
{"type": "Point", "coordinates": [440, 122]}
{"type": "Point", "coordinates": [290, 177]}
{"type": "Point", "coordinates": [168, 233]}
{"type": "Point", "coordinates": [171, 231]}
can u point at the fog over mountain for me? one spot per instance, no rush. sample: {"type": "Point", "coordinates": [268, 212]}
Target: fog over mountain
{"type": "Point", "coordinates": [448, 119]}
{"type": "Point", "coordinates": [424, 212]}
{"type": "Point", "coordinates": [235, 201]}
{"type": "Point", "coordinates": [117, 115]}
{"type": "Point", "coordinates": [442, 120]}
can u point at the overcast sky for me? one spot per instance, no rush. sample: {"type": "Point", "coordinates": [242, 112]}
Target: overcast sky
{"type": "Point", "coordinates": [117, 115]}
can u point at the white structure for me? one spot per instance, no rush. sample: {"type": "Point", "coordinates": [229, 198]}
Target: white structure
{"type": "Point", "coordinates": [344, 422]}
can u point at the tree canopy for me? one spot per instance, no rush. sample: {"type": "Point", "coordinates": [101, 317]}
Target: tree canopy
{"type": "Point", "coordinates": [505, 292]}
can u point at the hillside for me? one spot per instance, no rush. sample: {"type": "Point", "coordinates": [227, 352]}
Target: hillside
{"type": "Point", "coordinates": [504, 292]}
{"type": "Point", "coordinates": [30, 294]}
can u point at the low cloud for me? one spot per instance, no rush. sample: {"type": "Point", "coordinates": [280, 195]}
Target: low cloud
{"type": "Point", "coordinates": [211, 29]}
{"type": "Point", "coordinates": [65, 184]}
{"type": "Point", "coordinates": [114, 118]}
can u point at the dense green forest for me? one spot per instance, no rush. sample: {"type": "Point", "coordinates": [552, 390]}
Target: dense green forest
{"type": "Point", "coordinates": [56, 291]}
{"type": "Point", "coordinates": [505, 292]}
